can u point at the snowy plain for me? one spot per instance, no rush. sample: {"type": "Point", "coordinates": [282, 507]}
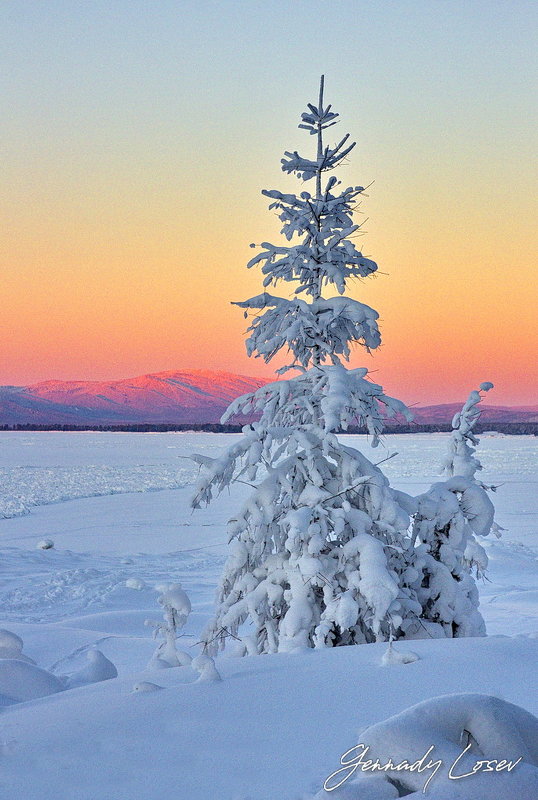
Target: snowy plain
{"type": "Point", "coordinates": [116, 508]}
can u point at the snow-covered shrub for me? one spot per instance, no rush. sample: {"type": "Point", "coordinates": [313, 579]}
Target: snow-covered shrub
{"type": "Point", "coordinates": [177, 607]}
{"type": "Point", "coordinates": [450, 515]}
{"type": "Point", "coordinates": [319, 554]}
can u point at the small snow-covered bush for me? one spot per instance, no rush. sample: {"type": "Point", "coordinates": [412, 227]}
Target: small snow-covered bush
{"type": "Point", "coordinates": [177, 607]}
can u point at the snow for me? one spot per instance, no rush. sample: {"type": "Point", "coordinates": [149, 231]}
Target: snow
{"type": "Point", "coordinates": [135, 583]}
{"type": "Point", "coordinates": [45, 544]}
{"type": "Point", "coordinates": [330, 323]}
{"type": "Point", "coordinates": [146, 686]}
{"type": "Point", "coordinates": [205, 666]}
{"type": "Point", "coordinates": [467, 734]}
{"type": "Point", "coordinates": [456, 735]}
{"type": "Point", "coordinates": [276, 725]}
{"type": "Point", "coordinates": [99, 668]}
{"type": "Point", "coordinates": [10, 643]}
{"type": "Point", "coordinates": [174, 597]}
{"type": "Point", "coordinates": [394, 655]}
{"type": "Point", "coordinates": [11, 646]}
{"type": "Point", "coordinates": [20, 681]}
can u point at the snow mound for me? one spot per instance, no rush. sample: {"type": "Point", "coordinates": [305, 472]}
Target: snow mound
{"type": "Point", "coordinates": [11, 646]}
{"type": "Point", "coordinates": [206, 668]}
{"type": "Point", "coordinates": [21, 681]}
{"type": "Point", "coordinates": [98, 669]}
{"type": "Point", "coordinates": [10, 641]}
{"type": "Point", "coordinates": [393, 656]}
{"type": "Point", "coordinates": [135, 583]}
{"type": "Point", "coordinates": [373, 787]}
{"type": "Point", "coordinates": [146, 686]}
{"type": "Point", "coordinates": [487, 743]}
{"type": "Point", "coordinates": [45, 544]}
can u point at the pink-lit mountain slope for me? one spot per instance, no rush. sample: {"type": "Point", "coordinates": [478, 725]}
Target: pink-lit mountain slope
{"type": "Point", "coordinates": [183, 396]}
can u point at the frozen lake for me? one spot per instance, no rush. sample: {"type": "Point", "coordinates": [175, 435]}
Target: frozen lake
{"type": "Point", "coordinates": [107, 499]}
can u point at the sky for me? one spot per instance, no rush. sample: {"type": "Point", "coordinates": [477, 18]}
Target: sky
{"type": "Point", "coordinates": [137, 137]}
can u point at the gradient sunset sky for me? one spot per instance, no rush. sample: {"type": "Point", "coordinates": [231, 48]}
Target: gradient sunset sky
{"type": "Point", "coordinates": [136, 138]}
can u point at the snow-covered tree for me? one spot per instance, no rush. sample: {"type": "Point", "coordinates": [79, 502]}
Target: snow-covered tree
{"type": "Point", "coordinates": [460, 459]}
{"type": "Point", "coordinates": [450, 515]}
{"type": "Point", "coordinates": [319, 552]}
{"type": "Point", "coordinates": [176, 609]}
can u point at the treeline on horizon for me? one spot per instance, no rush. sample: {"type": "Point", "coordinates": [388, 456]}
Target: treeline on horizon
{"type": "Point", "coordinates": [511, 428]}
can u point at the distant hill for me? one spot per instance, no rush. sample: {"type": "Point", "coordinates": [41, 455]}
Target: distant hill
{"type": "Point", "coordinates": [176, 397]}
{"type": "Point", "coordinates": [182, 396]}
{"type": "Point", "coordinates": [429, 415]}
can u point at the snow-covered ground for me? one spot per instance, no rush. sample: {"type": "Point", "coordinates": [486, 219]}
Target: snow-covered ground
{"type": "Point", "coordinates": [116, 508]}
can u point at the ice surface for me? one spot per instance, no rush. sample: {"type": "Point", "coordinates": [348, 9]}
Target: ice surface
{"type": "Point", "coordinates": [42, 468]}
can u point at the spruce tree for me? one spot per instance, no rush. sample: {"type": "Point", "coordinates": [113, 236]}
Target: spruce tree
{"type": "Point", "coordinates": [319, 553]}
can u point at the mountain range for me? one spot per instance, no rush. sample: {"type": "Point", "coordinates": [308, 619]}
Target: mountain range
{"type": "Point", "coordinates": [175, 397]}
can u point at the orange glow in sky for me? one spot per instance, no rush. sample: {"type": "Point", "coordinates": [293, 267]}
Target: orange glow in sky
{"type": "Point", "coordinates": [137, 148]}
